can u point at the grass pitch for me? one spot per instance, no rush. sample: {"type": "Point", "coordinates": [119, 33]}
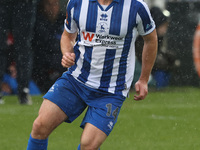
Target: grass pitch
{"type": "Point", "coordinates": [165, 120]}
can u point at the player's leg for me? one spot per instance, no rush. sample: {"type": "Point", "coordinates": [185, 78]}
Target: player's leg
{"type": "Point", "coordinates": [92, 137]}
{"type": "Point", "coordinates": [61, 103]}
{"type": "Point", "coordinates": [100, 119]}
{"type": "Point", "coordinates": [50, 116]}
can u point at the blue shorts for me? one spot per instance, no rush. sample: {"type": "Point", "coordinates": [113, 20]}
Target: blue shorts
{"type": "Point", "coordinates": [73, 97]}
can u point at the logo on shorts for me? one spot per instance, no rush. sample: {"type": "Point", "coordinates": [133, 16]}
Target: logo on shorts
{"type": "Point", "coordinates": [110, 125]}
{"type": "Point", "coordinates": [53, 88]}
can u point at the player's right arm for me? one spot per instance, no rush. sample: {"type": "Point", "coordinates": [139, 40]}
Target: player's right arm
{"type": "Point", "coordinates": [67, 43]}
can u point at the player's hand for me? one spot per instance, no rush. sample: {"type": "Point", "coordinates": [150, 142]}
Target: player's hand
{"type": "Point", "coordinates": [68, 60]}
{"type": "Point", "coordinates": [141, 89]}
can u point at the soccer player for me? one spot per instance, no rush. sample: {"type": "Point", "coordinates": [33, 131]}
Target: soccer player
{"type": "Point", "coordinates": [101, 67]}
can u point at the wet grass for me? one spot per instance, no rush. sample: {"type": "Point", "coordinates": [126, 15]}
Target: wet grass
{"type": "Point", "coordinates": [167, 120]}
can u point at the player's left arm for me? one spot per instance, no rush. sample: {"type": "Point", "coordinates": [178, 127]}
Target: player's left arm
{"type": "Point", "coordinates": [148, 58]}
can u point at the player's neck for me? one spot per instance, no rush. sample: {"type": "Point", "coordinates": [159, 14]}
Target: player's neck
{"type": "Point", "coordinates": [105, 2]}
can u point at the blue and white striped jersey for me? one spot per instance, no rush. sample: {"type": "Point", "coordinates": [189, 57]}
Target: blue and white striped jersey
{"type": "Point", "coordinates": [105, 49]}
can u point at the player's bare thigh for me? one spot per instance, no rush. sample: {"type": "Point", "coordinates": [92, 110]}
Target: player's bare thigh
{"type": "Point", "coordinates": [50, 116]}
{"type": "Point", "coordinates": [92, 137]}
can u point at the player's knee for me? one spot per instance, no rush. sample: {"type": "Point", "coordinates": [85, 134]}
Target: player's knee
{"type": "Point", "coordinates": [39, 131]}
{"type": "Point", "coordinates": [87, 144]}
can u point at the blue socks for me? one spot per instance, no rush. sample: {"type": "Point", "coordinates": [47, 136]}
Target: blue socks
{"type": "Point", "coordinates": [35, 144]}
{"type": "Point", "coordinates": [79, 147]}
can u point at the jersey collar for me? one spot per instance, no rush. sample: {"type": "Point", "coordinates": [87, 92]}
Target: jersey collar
{"type": "Point", "coordinates": [113, 1]}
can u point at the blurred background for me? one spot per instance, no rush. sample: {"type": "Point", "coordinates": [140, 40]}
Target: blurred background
{"type": "Point", "coordinates": [184, 19]}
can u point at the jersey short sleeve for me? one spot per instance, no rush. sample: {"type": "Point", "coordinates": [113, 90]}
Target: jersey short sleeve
{"type": "Point", "coordinates": [69, 23]}
{"type": "Point", "coordinates": [145, 23]}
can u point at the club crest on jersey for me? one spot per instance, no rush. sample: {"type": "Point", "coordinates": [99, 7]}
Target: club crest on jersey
{"type": "Point", "coordinates": [102, 27]}
{"type": "Point", "coordinates": [104, 17]}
